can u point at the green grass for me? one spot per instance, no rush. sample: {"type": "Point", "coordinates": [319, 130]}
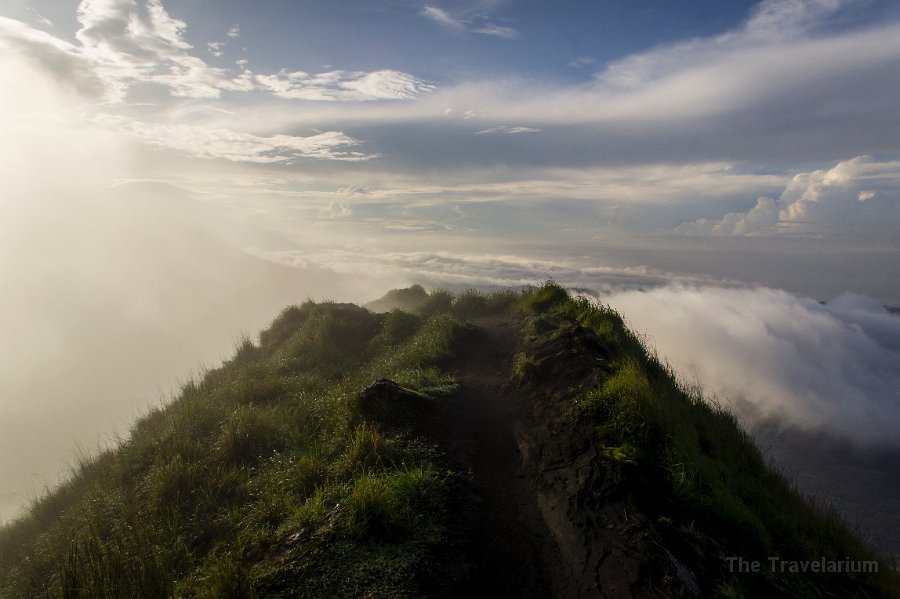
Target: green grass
{"type": "Point", "coordinates": [721, 494]}
{"type": "Point", "coordinates": [263, 447]}
{"type": "Point", "coordinates": [264, 477]}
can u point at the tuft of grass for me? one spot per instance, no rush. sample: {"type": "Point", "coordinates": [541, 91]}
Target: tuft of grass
{"type": "Point", "coordinates": [367, 449]}
{"type": "Point", "coordinates": [383, 507]}
{"type": "Point", "coordinates": [440, 301]}
{"type": "Point", "coordinates": [524, 366]}
{"type": "Point", "coordinates": [399, 326]}
{"type": "Point", "coordinates": [544, 298]}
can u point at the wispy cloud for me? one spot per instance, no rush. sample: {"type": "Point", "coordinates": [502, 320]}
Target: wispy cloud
{"type": "Point", "coordinates": [507, 130]}
{"type": "Point", "coordinates": [473, 23]}
{"type": "Point", "coordinates": [122, 47]}
{"type": "Point", "coordinates": [581, 61]}
{"type": "Point", "coordinates": [441, 16]}
{"type": "Point", "coordinates": [497, 31]}
{"type": "Point", "coordinates": [41, 18]}
{"type": "Point", "coordinates": [233, 31]}
{"type": "Point", "coordinates": [345, 86]}
{"type": "Point", "coordinates": [204, 142]}
{"type": "Point", "coordinates": [778, 18]}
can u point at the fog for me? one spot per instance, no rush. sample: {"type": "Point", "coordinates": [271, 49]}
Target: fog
{"type": "Point", "coordinates": [831, 367]}
{"type": "Point", "coordinates": [112, 298]}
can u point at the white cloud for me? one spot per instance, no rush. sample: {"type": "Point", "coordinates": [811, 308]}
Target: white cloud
{"type": "Point", "coordinates": [855, 192]}
{"type": "Point", "coordinates": [581, 61]}
{"type": "Point", "coordinates": [779, 18]}
{"type": "Point", "coordinates": [345, 86]}
{"type": "Point", "coordinates": [129, 46]}
{"type": "Point", "coordinates": [124, 44]}
{"type": "Point", "coordinates": [441, 16]}
{"type": "Point", "coordinates": [233, 31]}
{"type": "Point", "coordinates": [337, 208]}
{"type": "Point", "coordinates": [234, 146]}
{"type": "Point", "coordinates": [773, 355]}
{"type": "Point", "coordinates": [60, 59]}
{"type": "Point", "coordinates": [766, 77]}
{"type": "Point", "coordinates": [483, 27]}
{"type": "Point", "coordinates": [508, 130]}
{"type": "Point", "coordinates": [354, 190]}
{"type": "Point", "coordinates": [497, 31]}
{"type": "Point", "coordinates": [762, 218]}
{"type": "Point", "coordinates": [442, 269]}
{"type": "Point", "coordinates": [41, 18]}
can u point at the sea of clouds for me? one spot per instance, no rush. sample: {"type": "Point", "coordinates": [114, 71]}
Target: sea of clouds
{"type": "Point", "coordinates": [771, 355]}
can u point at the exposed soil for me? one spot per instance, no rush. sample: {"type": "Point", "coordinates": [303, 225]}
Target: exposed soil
{"type": "Point", "coordinates": [510, 550]}
{"type": "Point", "coordinates": [543, 513]}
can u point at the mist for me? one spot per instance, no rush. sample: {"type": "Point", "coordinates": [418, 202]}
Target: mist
{"type": "Point", "coordinates": [832, 367]}
{"type": "Point", "coordinates": [112, 298]}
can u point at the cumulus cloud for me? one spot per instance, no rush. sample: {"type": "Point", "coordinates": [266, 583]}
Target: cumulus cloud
{"type": "Point", "coordinates": [203, 142]}
{"type": "Point", "coordinates": [860, 191]}
{"type": "Point", "coordinates": [337, 208]}
{"type": "Point", "coordinates": [772, 355]}
{"type": "Point", "coordinates": [217, 49]}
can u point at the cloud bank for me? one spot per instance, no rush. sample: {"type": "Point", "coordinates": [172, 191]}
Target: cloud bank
{"type": "Point", "coordinates": [773, 355]}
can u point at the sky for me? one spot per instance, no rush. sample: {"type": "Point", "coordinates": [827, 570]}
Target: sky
{"type": "Point", "coordinates": [157, 156]}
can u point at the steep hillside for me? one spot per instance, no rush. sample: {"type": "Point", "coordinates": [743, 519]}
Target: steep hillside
{"type": "Point", "coordinates": [513, 444]}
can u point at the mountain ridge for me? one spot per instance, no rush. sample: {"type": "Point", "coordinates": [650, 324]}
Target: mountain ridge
{"type": "Point", "coordinates": [517, 443]}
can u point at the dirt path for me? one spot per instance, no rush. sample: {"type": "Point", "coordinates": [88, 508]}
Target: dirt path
{"type": "Point", "coordinates": [510, 549]}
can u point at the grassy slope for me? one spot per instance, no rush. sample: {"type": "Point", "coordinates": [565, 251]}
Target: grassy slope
{"type": "Point", "coordinates": [269, 445]}
{"type": "Point", "coordinates": [266, 479]}
{"type": "Point", "coordinates": [706, 480]}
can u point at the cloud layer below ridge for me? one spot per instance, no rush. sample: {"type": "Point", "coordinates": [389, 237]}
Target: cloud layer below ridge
{"type": "Point", "coordinates": [773, 355]}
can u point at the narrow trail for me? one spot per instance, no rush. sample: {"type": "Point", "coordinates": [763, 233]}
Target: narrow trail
{"type": "Point", "coordinates": [511, 550]}
{"type": "Point", "coordinates": [544, 514]}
